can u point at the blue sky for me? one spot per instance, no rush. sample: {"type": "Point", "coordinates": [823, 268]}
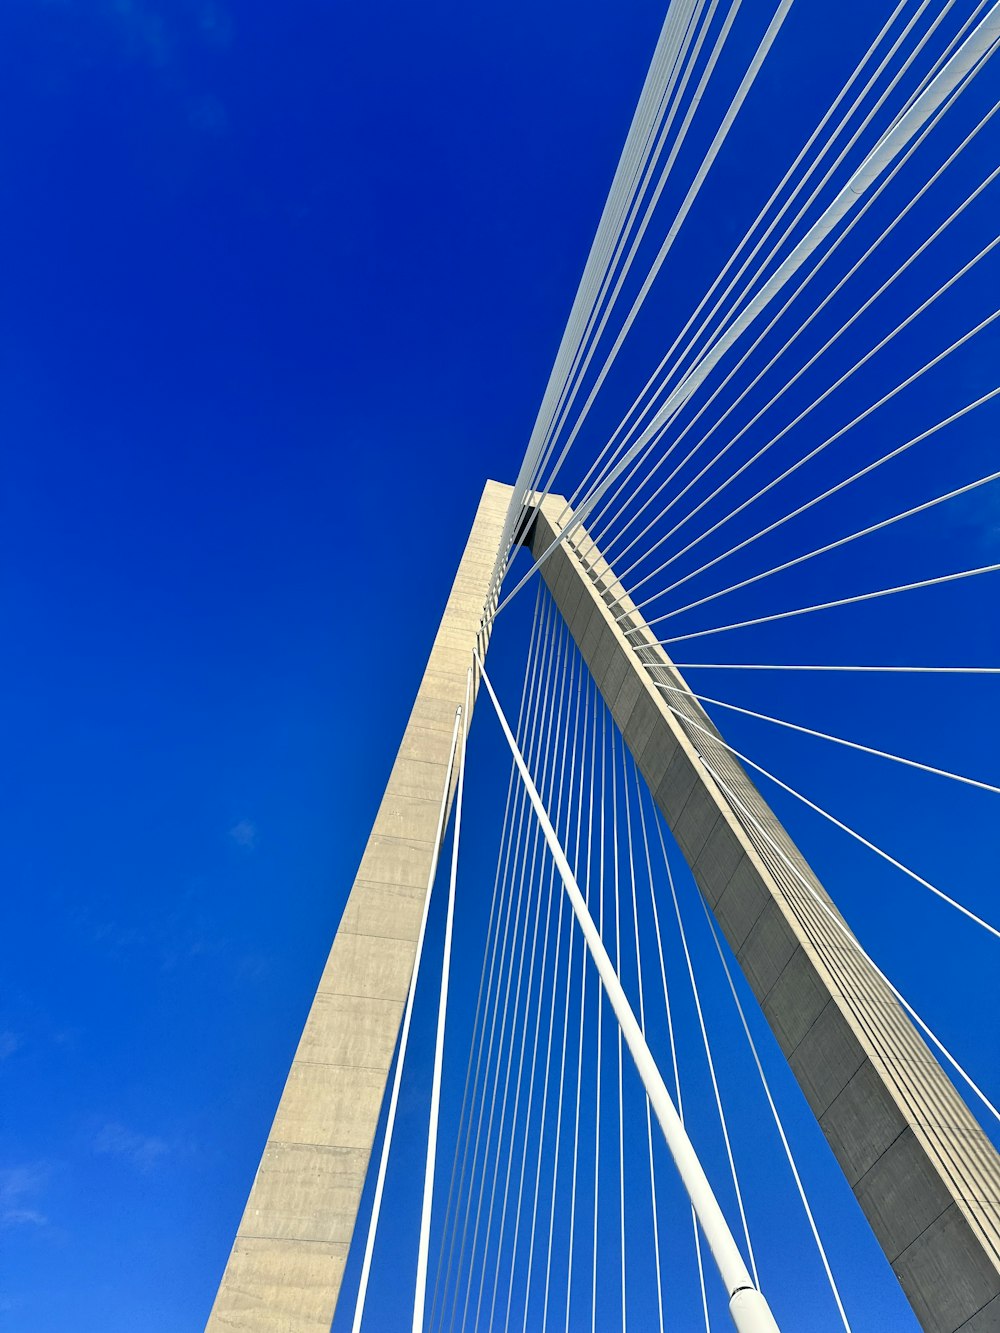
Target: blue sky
{"type": "Point", "coordinates": [283, 287]}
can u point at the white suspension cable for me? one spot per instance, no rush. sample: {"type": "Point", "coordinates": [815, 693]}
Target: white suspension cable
{"type": "Point", "coordinates": [618, 968]}
{"type": "Point", "coordinates": [855, 945]}
{"type": "Point", "coordinates": [759, 453]}
{"type": "Point", "coordinates": [685, 356]}
{"type": "Point", "coordinates": [548, 1052]}
{"type": "Point", "coordinates": [432, 1130]}
{"type": "Point", "coordinates": [555, 723]}
{"type": "Point", "coordinates": [967, 60]}
{"type": "Point", "coordinates": [840, 542]}
{"type": "Point", "coordinates": [600, 1028]}
{"type": "Point", "coordinates": [764, 211]}
{"type": "Point", "coordinates": [696, 995]}
{"type": "Point", "coordinates": [534, 1057]}
{"type": "Point", "coordinates": [404, 1036]}
{"type": "Point", "coordinates": [500, 919]}
{"type": "Point", "coordinates": [826, 606]}
{"type": "Point", "coordinates": [583, 1000]}
{"type": "Point", "coordinates": [837, 740]}
{"type": "Point", "coordinates": [670, 1035]}
{"type": "Point", "coordinates": [633, 158]}
{"type": "Point", "coordinates": [809, 319]}
{"type": "Point", "coordinates": [747, 1306]}
{"type": "Point", "coordinates": [664, 176]}
{"type": "Point", "coordinates": [579, 783]}
{"type": "Point", "coordinates": [538, 652]}
{"type": "Point", "coordinates": [667, 357]}
{"type": "Point", "coordinates": [777, 1120]}
{"type": "Point", "coordinates": [946, 54]}
{"type": "Point", "coordinates": [767, 41]}
{"type": "Point", "coordinates": [825, 495]}
{"type": "Point", "coordinates": [642, 1025]}
{"type": "Point", "coordinates": [919, 879]}
{"type": "Point", "coordinates": [773, 666]}
{"type": "Point", "coordinates": [542, 731]}
{"type": "Point", "coordinates": [817, 189]}
{"type": "Point", "coordinates": [580, 368]}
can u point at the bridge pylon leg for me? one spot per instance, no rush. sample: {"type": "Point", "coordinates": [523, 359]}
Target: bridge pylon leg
{"type": "Point", "coordinates": [287, 1262]}
{"type": "Point", "coordinates": [925, 1174]}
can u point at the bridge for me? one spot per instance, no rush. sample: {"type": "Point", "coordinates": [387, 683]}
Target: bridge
{"type": "Point", "coordinates": [575, 1172]}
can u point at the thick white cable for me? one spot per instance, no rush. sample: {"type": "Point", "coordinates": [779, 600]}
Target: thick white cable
{"type": "Point", "coordinates": [670, 1032]}
{"type": "Point", "coordinates": [945, 55]}
{"type": "Point", "coordinates": [826, 606]}
{"type": "Point", "coordinates": [404, 1036]}
{"type": "Point", "coordinates": [969, 58]}
{"type": "Point", "coordinates": [837, 740]}
{"type": "Point", "coordinates": [642, 1025]}
{"type": "Point", "coordinates": [777, 1120]}
{"type": "Point", "coordinates": [747, 1306]}
{"type": "Point", "coordinates": [423, 1250]}
{"type": "Point", "coordinates": [824, 495]}
{"type": "Point", "coordinates": [853, 941]}
{"type": "Point", "coordinates": [898, 865]}
{"type": "Point", "coordinates": [709, 1059]}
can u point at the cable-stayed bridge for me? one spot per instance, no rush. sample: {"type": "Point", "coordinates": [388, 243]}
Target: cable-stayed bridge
{"type": "Point", "coordinates": [668, 1005]}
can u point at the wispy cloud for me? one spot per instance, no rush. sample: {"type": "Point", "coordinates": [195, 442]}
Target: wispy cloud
{"type": "Point", "coordinates": [154, 32]}
{"type": "Point", "coordinates": [9, 1043]}
{"type": "Point", "coordinates": [18, 1217]}
{"type": "Point", "coordinates": [244, 834]}
{"type": "Point", "coordinates": [178, 938]}
{"type": "Point", "coordinates": [142, 1151]}
{"type": "Point", "coordinates": [20, 1191]}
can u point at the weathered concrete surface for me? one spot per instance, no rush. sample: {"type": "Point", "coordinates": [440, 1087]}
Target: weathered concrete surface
{"type": "Point", "coordinates": [286, 1265]}
{"type": "Point", "coordinates": [923, 1171]}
